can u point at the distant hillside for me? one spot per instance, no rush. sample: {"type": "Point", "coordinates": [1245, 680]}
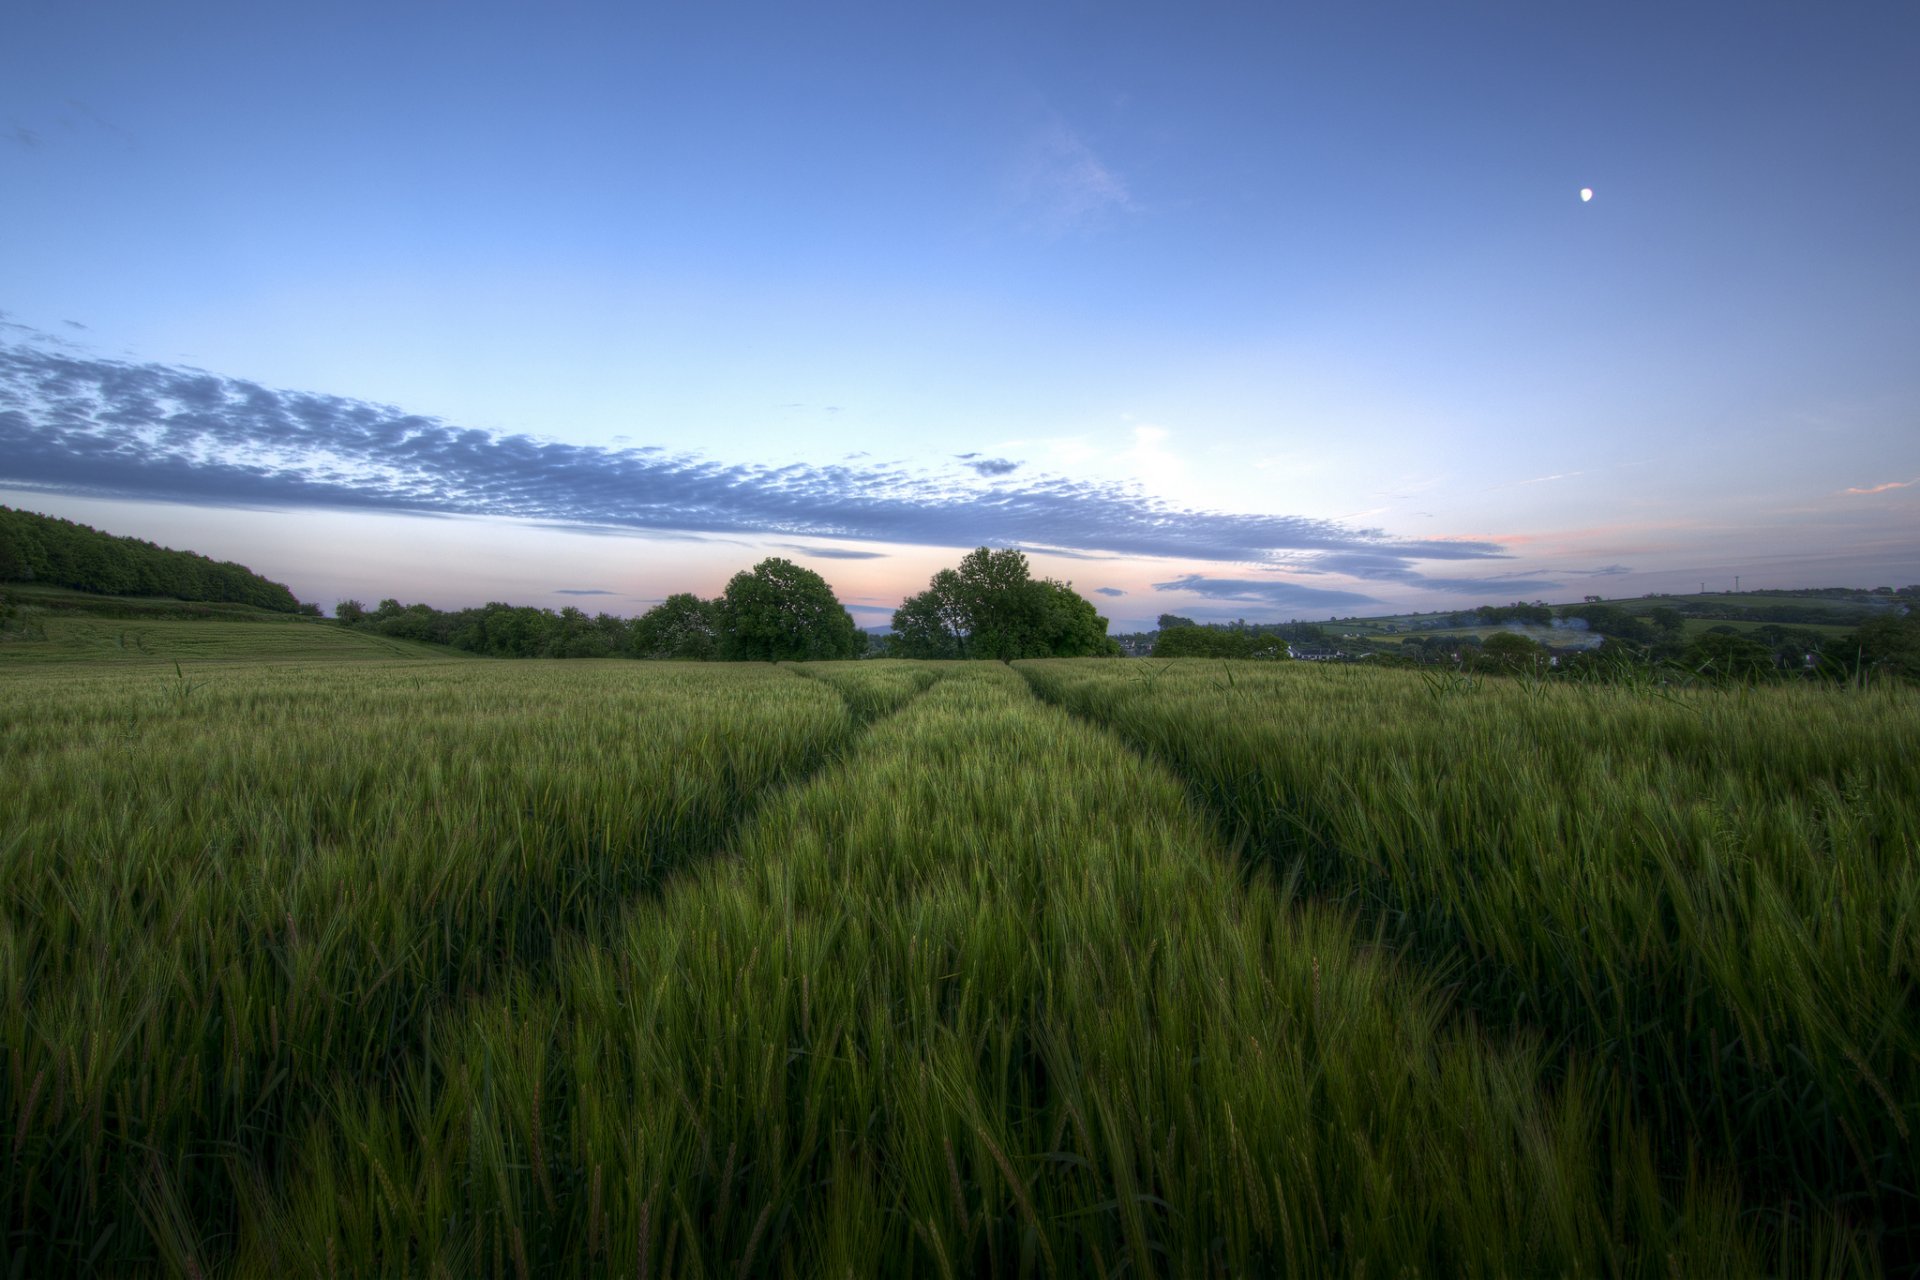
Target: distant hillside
{"type": "Point", "coordinates": [41, 624]}
{"type": "Point", "coordinates": [52, 552]}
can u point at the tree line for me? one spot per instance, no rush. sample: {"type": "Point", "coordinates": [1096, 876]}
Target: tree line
{"type": "Point", "coordinates": [774, 612]}
{"type": "Point", "coordinates": [61, 553]}
{"type": "Point", "coordinates": [989, 607]}
{"type": "Point", "coordinates": [992, 606]}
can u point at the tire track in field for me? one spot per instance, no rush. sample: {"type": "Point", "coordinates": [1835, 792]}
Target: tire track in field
{"type": "Point", "coordinates": [866, 706]}
{"type": "Point", "coordinates": [870, 703]}
{"type": "Point", "coordinates": [1303, 862]}
{"type": "Point", "coordinates": [936, 1059]}
{"type": "Point", "coordinates": [194, 1219]}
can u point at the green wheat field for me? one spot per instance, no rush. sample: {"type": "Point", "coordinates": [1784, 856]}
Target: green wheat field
{"type": "Point", "coordinates": [362, 963]}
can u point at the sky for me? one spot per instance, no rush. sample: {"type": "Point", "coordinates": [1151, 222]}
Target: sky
{"type": "Point", "coordinates": [1230, 310]}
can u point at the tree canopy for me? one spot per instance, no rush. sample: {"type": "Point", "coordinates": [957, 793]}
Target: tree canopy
{"type": "Point", "coordinates": [1194, 641]}
{"type": "Point", "coordinates": [780, 612]}
{"type": "Point", "coordinates": [683, 626]}
{"type": "Point", "coordinates": [991, 606]}
{"type": "Point", "coordinates": [61, 553]}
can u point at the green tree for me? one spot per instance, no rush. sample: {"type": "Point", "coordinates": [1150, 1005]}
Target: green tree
{"type": "Point", "coordinates": [1886, 643]}
{"type": "Point", "coordinates": [1004, 615]}
{"type": "Point", "coordinates": [13, 561]}
{"type": "Point", "coordinates": [780, 612]}
{"type": "Point", "coordinates": [991, 606]}
{"type": "Point", "coordinates": [349, 612]}
{"type": "Point", "coordinates": [682, 627]}
{"type": "Point", "coordinates": [1511, 652]}
{"type": "Point", "coordinates": [1201, 642]}
{"type": "Point", "coordinates": [1667, 619]}
{"type": "Point", "coordinates": [1218, 642]}
{"type": "Point", "coordinates": [1072, 627]}
{"type": "Point", "coordinates": [931, 624]}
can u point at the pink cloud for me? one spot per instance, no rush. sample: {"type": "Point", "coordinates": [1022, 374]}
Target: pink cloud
{"type": "Point", "coordinates": [1882, 488]}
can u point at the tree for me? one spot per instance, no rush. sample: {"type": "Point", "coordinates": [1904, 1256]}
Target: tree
{"type": "Point", "coordinates": [931, 624]}
{"type": "Point", "coordinates": [574, 635]}
{"type": "Point", "coordinates": [1004, 616]}
{"type": "Point", "coordinates": [13, 561]}
{"type": "Point", "coordinates": [1171, 620]}
{"type": "Point", "coordinates": [1667, 619]}
{"type": "Point", "coordinates": [1072, 627]}
{"type": "Point", "coordinates": [1887, 643]}
{"type": "Point", "coordinates": [780, 612]}
{"type": "Point", "coordinates": [348, 612]}
{"type": "Point", "coordinates": [1218, 642]}
{"type": "Point", "coordinates": [682, 627]}
{"type": "Point", "coordinates": [1201, 642]}
{"type": "Point", "coordinates": [1512, 652]}
{"type": "Point", "coordinates": [992, 607]}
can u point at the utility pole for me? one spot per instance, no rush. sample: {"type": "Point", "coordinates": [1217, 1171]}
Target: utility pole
{"type": "Point", "coordinates": [1736, 584]}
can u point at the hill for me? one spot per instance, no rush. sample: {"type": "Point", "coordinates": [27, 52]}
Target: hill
{"type": "Point", "coordinates": [60, 553]}
{"type": "Point", "coordinates": [54, 624]}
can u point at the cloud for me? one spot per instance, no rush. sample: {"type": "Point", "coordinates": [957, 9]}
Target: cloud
{"type": "Point", "coordinates": [1390, 565]}
{"type": "Point", "coordinates": [1882, 488]}
{"type": "Point", "coordinates": [581, 591]}
{"type": "Point", "coordinates": [78, 424]}
{"type": "Point", "coordinates": [1064, 186]}
{"type": "Point", "coordinates": [994, 466]}
{"type": "Point", "coordinates": [1108, 591]}
{"type": "Point", "coordinates": [1486, 588]}
{"type": "Point", "coordinates": [73, 324]}
{"type": "Point", "coordinates": [21, 136]}
{"type": "Point", "coordinates": [1267, 591]}
{"type": "Point", "coordinates": [1515, 484]}
{"type": "Point", "coordinates": [832, 553]}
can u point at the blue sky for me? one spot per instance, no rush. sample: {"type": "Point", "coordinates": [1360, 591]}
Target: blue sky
{"type": "Point", "coordinates": [1267, 310]}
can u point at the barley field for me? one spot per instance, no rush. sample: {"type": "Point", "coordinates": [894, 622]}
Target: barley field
{"type": "Point", "coordinates": [402, 966]}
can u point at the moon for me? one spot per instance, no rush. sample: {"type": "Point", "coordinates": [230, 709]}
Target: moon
{"type": "Point", "coordinates": [1586, 194]}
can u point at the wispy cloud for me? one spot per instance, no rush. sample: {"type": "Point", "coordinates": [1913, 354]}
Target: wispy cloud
{"type": "Point", "coordinates": [1383, 564]}
{"type": "Point", "coordinates": [1515, 484]}
{"type": "Point", "coordinates": [581, 591]}
{"type": "Point", "coordinates": [1267, 591]}
{"type": "Point", "coordinates": [78, 424]}
{"type": "Point", "coordinates": [991, 467]}
{"type": "Point", "coordinates": [1882, 488]}
{"type": "Point", "coordinates": [1062, 185]}
{"type": "Point", "coordinates": [831, 553]}
{"type": "Point", "coordinates": [1108, 591]}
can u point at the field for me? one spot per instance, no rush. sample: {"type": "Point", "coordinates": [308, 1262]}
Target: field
{"type": "Point", "coordinates": [55, 625]}
{"type": "Point", "coordinates": [462, 967]}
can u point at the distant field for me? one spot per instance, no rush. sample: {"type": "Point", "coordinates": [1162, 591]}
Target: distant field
{"type": "Point", "coordinates": [1828, 630]}
{"type": "Point", "coordinates": [55, 625]}
{"type": "Point", "coordinates": [1847, 610]}
{"type": "Point", "coordinates": [330, 967]}
{"type": "Point", "coordinates": [1692, 627]}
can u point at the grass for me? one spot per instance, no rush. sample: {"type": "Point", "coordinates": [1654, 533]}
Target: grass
{"type": "Point", "coordinates": [981, 998]}
{"type": "Point", "coordinates": [1711, 898]}
{"type": "Point", "coordinates": [42, 636]}
{"type": "Point", "coordinates": [229, 893]}
{"type": "Point", "coordinates": [585, 968]}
